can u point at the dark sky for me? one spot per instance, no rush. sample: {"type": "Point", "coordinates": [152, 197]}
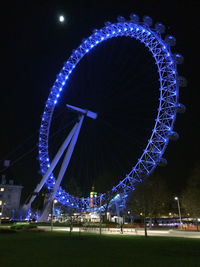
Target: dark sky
{"type": "Point", "coordinates": [35, 46]}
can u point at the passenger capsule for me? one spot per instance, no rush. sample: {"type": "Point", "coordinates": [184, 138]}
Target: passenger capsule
{"type": "Point", "coordinates": [162, 162]}
{"type": "Point", "coordinates": [178, 58]}
{"type": "Point", "coordinates": [182, 82]}
{"type": "Point", "coordinates": [121, 19]}
{"type": "Point", "coordinates": [107, 23]}
{"type": "Point", "coordinates": [134, 18]}
{"type": "Point", "coordinates": [159, 28]}
{"type": "Point", "coordinates": [180, 108]}
{"type": "Point", "coordinates": [170, 40]}
{"type": "Point", "coordinates": [173, 136]}
{"type": "Point", "coordinates": [147, 21]}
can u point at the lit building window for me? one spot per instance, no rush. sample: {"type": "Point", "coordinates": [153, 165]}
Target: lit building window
{"type": "Point", "coordinates": [2, 189]}
{"type": "Point", "coordinates": [1, 202]}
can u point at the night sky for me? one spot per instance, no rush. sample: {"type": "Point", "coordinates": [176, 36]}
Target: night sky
{"type": "Point", "coordinates": [118, 80]}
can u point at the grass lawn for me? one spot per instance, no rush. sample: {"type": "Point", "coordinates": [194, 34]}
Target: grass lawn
{"type": "Point", "coordinates": [26, 249]}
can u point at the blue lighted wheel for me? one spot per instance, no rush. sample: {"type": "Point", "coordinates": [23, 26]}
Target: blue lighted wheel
{"type": "Point", "coordinates": [168, 102]}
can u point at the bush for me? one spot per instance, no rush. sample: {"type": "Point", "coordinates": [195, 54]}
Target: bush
{"type": "Point", "coordinates": [91, 225]}
{"type": "Point", "coordinates": [103, 225]}
{"type": "Point", "coordinates": [61, 224]}
{"type": "Point", "coordinates": [22, 226]}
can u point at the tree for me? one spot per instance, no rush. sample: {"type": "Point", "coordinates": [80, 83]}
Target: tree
{"type": "Point", "coordinates": [190, 198]}
{"type": "Point", "coordinates": [104, 183]}
{"type": "Point", "coordinates": [149, 199]}
{"type": "Point", "coordinates": [73, 189]}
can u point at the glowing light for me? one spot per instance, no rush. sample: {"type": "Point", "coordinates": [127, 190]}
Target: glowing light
{"type": "Point", "coordinates": [61, 18]}
{"type": "Point", "coordinates": [150, 40]}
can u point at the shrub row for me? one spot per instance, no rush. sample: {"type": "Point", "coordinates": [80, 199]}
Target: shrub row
{"type": "Point", "coordinates": [20, 226]}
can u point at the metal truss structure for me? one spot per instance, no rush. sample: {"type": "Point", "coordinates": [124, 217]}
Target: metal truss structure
{"type": "Point", "coordinates": [162, 132]}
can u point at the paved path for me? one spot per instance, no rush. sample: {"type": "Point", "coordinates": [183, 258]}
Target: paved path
{"type": "Point", "coordinates": [129, 231]}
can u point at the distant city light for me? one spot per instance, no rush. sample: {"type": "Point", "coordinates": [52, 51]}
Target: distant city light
{"type": "Point", "coordinates": [61, 18]}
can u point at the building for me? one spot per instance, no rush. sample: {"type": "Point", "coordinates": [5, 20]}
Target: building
{"type": "Point", "coordinates": [10, 195]}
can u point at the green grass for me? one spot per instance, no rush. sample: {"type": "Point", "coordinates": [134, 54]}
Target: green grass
{"type": "Point", "coordinates": [25, 249]}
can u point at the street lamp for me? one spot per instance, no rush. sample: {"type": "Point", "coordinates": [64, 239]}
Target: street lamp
{"type": "Point", "coordinates": [1, 213]}
{"type": "Point", "coordinates": [100, 225]}
{"type": "Point", "coordinates": [52, 212]}
{"type": "Point", "coordinates": [179, 210]}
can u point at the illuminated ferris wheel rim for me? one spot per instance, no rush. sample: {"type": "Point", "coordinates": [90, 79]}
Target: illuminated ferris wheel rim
{"type": "Point", "coordinates": [168, 101]}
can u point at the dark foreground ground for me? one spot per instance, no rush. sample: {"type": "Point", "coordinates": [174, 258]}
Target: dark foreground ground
{"type": "Point", "coordinates": [26, 249]}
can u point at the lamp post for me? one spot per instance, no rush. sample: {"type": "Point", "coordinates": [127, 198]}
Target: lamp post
{"type": "Point", "coordinates": [52, 212]}
{"type": "Point", "coordinates": [100, 215]}
{"type": "Point", "coordinates": [1, 213]}
{"type": "Point", "coordinates": [179, 210]}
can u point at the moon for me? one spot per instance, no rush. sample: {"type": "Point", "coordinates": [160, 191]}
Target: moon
{"type": "Point", "coordinates": [61, 18]}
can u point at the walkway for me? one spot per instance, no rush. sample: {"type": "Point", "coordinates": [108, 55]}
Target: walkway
{"type": "Point", "coordinates": [128, 231]}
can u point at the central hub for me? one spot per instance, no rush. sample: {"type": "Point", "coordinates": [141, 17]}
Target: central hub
{"type": "Point", "coordinates": [85, 112]}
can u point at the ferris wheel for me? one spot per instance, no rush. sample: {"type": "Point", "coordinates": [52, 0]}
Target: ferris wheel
{"type": "Point", "coordinates": [162, 132]}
